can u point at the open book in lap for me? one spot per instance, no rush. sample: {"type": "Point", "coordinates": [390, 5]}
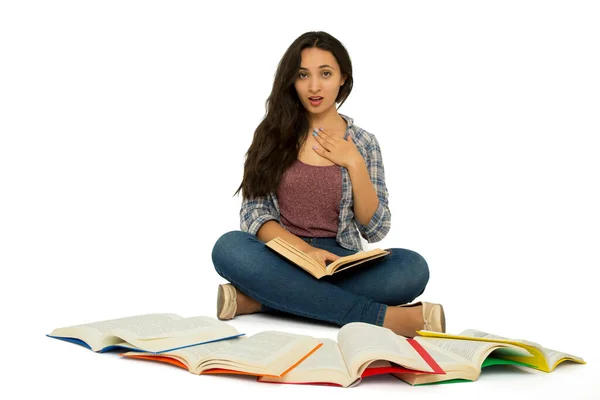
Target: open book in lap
{"type": "Point", "coordinates": [541, 358]}
{"type": "Point", "coordinates": [149, 332]}
{"type": "Point", "coordinates": [362, 350]}
{"type": "Point", "coordinates": [311, 266]}
{"type": "Point", "coordinates": [462, 359]}
{"type": "Point", "coordinates": [265, 353]}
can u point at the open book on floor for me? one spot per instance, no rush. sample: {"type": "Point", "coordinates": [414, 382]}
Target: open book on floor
{"type": "Point", "coordinates": [153, 333]}
{"type": "Point", "coordinates": [462, 360]}
{"type": "Point", "coordinates": [311, 266]}
{"type": "Point", "coordinates": [265, 353]}
{"type": "Point", "coordinates": [362, 350]}
{"type": "Point", "coordinates": [541, 358]}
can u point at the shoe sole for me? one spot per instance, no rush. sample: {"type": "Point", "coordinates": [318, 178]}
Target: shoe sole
{"type": "Point", "coordinates": [226, 302]}
{"type": "Point", "coordinates": [220, 302]}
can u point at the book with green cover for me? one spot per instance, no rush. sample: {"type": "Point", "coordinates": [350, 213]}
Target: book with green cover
{"type": "Point", "coordinates": [462, 360]}
{"type": "Point", "coordinates": [490, 361]}
{"type": "Point", "coordinates": [541, 357]}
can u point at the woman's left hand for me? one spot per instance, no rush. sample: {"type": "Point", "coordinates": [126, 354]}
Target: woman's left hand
{"type": "Point", "coordinates": [342, 152]}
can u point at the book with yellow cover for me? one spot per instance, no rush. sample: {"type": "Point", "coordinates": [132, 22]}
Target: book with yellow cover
{"type": "Point", "coordinates": [311, 266]}
{"type": "Point", "coordinates": [541, 358]}
{"type": "Point", "coordinates": [268, 353]}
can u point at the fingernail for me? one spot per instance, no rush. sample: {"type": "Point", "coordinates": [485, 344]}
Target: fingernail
{"type": "Point", "coordinates": [314, 147]}
{"type": "Point", "coordinates": [315, 133]}
{"type": "Point", "coordinates": [321, 129]}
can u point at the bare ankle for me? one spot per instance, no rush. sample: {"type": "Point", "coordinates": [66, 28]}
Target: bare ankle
{"type": "Point", "coordinates": [404, 321]}
{"type": "Point", "coordinates": [246, 304]}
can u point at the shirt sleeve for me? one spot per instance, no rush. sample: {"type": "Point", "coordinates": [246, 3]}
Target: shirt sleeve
{"type": "Point", "coordinates": [255, 212]}
{"type": "Point", "coordinates": [380, 222]}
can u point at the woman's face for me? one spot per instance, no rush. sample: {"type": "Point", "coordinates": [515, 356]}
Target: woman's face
{"type": "Point", "coordinates": [319, 76]}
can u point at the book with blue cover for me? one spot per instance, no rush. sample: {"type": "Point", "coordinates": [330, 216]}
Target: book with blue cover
{"type": "Point", "coordinates": [152, 333]}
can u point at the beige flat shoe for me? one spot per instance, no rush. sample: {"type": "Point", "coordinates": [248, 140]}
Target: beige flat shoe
{"type": "Point", "coordinates": [226, 302]}
{"type": "Point", "coordinates": [434, 318]}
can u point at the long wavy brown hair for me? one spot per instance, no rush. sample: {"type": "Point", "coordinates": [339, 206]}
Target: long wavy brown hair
{"type": "Point", "coordinates": [283, 130]}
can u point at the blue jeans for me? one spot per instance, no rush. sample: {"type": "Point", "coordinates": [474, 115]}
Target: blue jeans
{"type": "Point", "coordinates": [358, 294]}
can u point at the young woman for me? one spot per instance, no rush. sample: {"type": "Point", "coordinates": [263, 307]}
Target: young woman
{"type": "Point", "coordinates": [315, 179]}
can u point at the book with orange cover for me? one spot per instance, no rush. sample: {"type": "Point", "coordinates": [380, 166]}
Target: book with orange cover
{"type": "Point", "coordinates": [311, 266]}
{"type": "Point", "coordinates": [362, 350]}
{"type": "Point", "coordinates": [268, 353]}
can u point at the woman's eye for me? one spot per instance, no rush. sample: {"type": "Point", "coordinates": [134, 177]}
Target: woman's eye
{"type": "Point", "coordinates": [301, 74]}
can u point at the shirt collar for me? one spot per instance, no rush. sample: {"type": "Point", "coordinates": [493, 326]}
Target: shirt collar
{"type": "Point", "coordinates": [348, 119]}
{"type": "Point", "coordinates": [349, 130]}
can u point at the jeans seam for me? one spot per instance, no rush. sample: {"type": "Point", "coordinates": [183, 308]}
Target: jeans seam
{"type": "Point", "coordinates": [381, 314]}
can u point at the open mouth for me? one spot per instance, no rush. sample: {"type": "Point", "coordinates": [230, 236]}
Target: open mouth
{"type": "Point", "coordinates": [315, 101]}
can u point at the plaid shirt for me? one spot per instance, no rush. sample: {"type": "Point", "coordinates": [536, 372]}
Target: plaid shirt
{"type": "Point", "coordinates": [255, 212]}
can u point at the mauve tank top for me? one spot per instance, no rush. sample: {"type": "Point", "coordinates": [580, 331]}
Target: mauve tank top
{"type": "Point", "coordinates": [309, 199]}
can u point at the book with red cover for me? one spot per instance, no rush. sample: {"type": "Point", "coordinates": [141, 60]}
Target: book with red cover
{"type": "Point", "coordinates": [362, 350]}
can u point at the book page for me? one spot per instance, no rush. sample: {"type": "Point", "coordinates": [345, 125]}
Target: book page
{"type": "Point", "coordinates": [138, 322]}
{"type": "Point", "coordinates": [341, 267]}
{"type": "Point", "coordinates": [363, 343]}
{"type": "Point", "coordinates": [193, 355]}
{"type": "Point", "coordinates": [327, 357]}
{"type": "Point", "coordinates": [268, 353]}
{"type": "Point", "coordinates": [446, 360]}
{"type": "Point", "coordinates": [454, 366]}
{"type": "Point", "coordinates": [552, 357]}
{"type": "Point", "coordinates": [556, 357]}
{"type": "Point", "coordinates": [176, 334]}
{"type": "Point", "coordinates": [326, 365]}
{"type": "Point", "coordinates": [190, 356]}
{"type": "Point", "coordinates": [290, 247]}
{"type": "Point", "coordinates": [181, 327]}
{"type": "Point", "coordinates": [484, 335]}
{"type": "Point", "coordinates": [361, 255]}
{"type": "Point", "coordinates": [535, 359]}
{"type": "Point", "coordinates": [96, 334]}
{"type": "Point", "coordinates": [297, 257]}
{"type": "Point", "coordinates": [471, 352]}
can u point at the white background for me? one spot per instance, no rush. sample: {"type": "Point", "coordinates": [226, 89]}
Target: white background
{"type": "Point", "coordinates": [124, 127]}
